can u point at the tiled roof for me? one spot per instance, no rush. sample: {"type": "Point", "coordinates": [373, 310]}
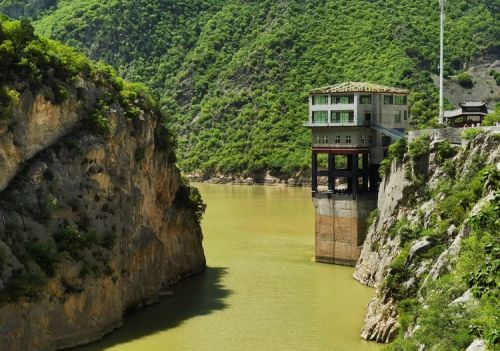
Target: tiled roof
{"type": "Point", "coordinates": [472, 104]}
{"type": "Point", "coordinates": [358, 87]}
{"type": "Point", "coordinates": [453, 113]}
{"type": "Point", "coordinates": [459, 112]}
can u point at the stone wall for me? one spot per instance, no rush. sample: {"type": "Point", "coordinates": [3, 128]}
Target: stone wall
{"type": "Point", "coordinates": [453, 135]}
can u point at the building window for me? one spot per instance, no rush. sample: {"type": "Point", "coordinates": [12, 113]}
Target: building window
{"type": "Point", "coordinates": [342, 99]}
{"type": "Point", "coordinates": [366, 99]}
{"type": "Point", "coordinates": [342, 116]}
{"type": "Point", "coordinates": [337, 139]}
{"type": "Point", "coordinates": [362, 139]}
{"type": "Point", "coordinates": [325, 140]}
{"type": "Point", "coordinates": [400, 100]}
{"type": "Point", "coordinates": [347, 139]}
{"type": "Point", "coordinates": [405, 115]}
{"type": "Point", "coordinates": [388, 100]}
{"type": "Point", "coordinates": [370, 139]}
{"type": "Point", "coordinates": [368, 116]}
{"type": "Point", "coordinates": [320, 117]}
{"type": "Point", "coordinates": [397, 117]}
{"type": "Point", "coordinates": [320, 99]}
{"type": "Point", "coordinates": [318, 140]}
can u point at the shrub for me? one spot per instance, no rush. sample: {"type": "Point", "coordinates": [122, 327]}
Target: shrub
{"type": "Point", "coordinates": [190, 197]}
{"type": "Point", "coordinates": [419, 147]}
{"type": "Point", "coordinates": [398, 273]}
{"type": "Point", "coordinates": [444, 151]}
{"type": "Point", "coordinates": [397, 151]}
{"type": "Point", "coordinates": [371, 217]}
{"type": "Point", "coordinates": [98, 121]}
{"type": "Point", "coordinates": [48, 204]}
{"type": "Point", "coordinates": [470, 134]}
{"type": "Point", "coordinates": [71, 240]}
{"type": "Point", "coordinates": [25, 284]}
{"type": "Point", "coordinates": [449, 168]}
{"type": "Point", "coordinates": [465, 80]}
{"type": "Point", "coordinates": [108, 240]}
{"type": "Point", "coordinates": [45, 254]}
{"type": "Point", "coordinates": [496, 76]}
{"type": "Point", "coordinates": [492, 118]}
{"type": "Point", "coordinates": [8, 99]}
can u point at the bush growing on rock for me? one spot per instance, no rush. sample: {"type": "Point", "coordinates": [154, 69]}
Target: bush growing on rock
{"type": "Point", "coordinates": [25, 284]}
{"type": "Point", "coordinates": [495, 75]}
{"type": "Point", "coordinates": [444, 151]}
{"type": "Point", "coordinates": [190, 197]}
{"type": "Point", "coordinates": [8, 99]}
{"type": "Point", "coordinates": [45, 254]}
{"type": "Point", "coordinates": [419, 147]}
{"type": "Point", "coordinates": [465, 80]}
{"type": "Point", "coordinates": [397, 151]}
{"type": "Point", "coordinates": [492, 118]}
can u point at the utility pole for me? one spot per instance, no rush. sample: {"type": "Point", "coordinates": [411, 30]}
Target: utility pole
{"type": "Point", "coordinates": [442, 4]}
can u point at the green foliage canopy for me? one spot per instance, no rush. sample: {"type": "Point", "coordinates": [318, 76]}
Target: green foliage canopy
{"type": "Point", "coordinates": [233, 76]}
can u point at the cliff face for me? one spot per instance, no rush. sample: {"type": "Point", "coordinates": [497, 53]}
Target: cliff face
{"type": "Point", "coordinates": [91, 223]}
{"type": "Point", "coordinates": [414, 249]}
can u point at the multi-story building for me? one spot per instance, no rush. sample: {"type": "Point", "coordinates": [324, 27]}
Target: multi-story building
{"type": "Point", "coordinates": [353, 124]}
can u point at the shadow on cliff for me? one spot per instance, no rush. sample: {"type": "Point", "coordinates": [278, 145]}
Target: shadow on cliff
{"type": "Point", "coordinates": [195, 296]}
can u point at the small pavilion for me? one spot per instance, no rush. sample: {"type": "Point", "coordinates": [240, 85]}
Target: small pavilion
{"type": "Point", "coordinates": [470, 113]}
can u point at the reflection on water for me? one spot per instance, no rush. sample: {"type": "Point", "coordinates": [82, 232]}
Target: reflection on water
{"type": "Point", "coordinates": [261, 291]}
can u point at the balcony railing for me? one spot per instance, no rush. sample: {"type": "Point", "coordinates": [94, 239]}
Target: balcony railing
{"type": "Point", "coordinates": [335, 123]}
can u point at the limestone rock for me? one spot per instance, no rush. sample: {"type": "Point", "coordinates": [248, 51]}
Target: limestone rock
{"type": "Point", "coordinates": [419, 246]}
{"type": "Point", "coordinates": [381, 323]}
{"type": "Point", "coordinates": [477, 345]}
{"type": "Point", "coordinates": [467, 297]}
{"type": "Point", "coordinates": [59, 178]}
{"type": "Point", "coordinates": [399, 198]}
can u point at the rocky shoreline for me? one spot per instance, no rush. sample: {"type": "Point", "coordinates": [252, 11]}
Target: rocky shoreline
{"type": "Point", "coordinates": [267, 179]}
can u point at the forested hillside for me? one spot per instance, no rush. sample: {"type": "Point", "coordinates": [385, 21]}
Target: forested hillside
{"type": "Point", "coordinates": [233, 76]}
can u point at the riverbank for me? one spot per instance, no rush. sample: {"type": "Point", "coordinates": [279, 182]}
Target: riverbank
{"type": "Point", "coordinates": [298, 180]}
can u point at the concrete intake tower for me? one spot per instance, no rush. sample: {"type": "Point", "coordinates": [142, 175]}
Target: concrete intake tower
{"type": "Point", "coordinates": [352, 126]}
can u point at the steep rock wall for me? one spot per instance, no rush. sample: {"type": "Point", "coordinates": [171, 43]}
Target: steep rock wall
{"type": "Point", "coordinates": [90, 224]}
{"type": "Point", "coordinates": [408, 236]}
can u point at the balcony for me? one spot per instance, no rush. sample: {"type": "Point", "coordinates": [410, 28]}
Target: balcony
{"type": "Point", "coordinates": [337, 123]}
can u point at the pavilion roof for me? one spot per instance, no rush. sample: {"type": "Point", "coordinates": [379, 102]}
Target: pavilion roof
{"type": "Point", "coordinates": [358, 87]}
{"type": "Point", "coordinates": [472, 104]}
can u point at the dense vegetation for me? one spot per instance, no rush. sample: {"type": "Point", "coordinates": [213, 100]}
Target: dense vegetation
{"type": "Point", "coordinates": [442, 323]}
{"type": "Point", "coordinates": [233, 76]}
{"type": "Point", "coordinates": [29, 8]}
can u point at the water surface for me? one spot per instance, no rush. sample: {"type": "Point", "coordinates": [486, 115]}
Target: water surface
{"type": "Point", "coordinates": [262, 291]}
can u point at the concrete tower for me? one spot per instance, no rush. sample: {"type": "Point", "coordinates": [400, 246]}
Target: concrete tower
{"type": "Point", "coordinates": [352, 126]}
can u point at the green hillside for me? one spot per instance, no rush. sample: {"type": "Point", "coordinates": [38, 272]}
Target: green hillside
{"type": "Point", "coordinates": [233, 76]}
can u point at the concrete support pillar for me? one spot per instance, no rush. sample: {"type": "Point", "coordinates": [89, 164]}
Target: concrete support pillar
{"type": "Point", "coordinates": [331, 173]}
{"type": "Point", "coordinates": [314, 172]}
{"type": "Point", "coordinates": [350, 169]}
{"type": "Point", "coordinates": [366, 172]}
{"type": "Point", "coordinates": [355, 174]}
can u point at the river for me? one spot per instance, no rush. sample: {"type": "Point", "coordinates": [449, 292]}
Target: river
{"type": "Point", "coordinates": [262, 290]}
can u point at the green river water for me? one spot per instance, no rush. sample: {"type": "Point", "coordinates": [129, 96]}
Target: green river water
{"type": "Point", "coordinates": [262, 290]}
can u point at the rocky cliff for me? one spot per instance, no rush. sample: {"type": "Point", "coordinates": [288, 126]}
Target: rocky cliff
{"type": "Point", "coordinates": [94, 218]}
{"type": "Point", "coordinates": [433, 246]}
